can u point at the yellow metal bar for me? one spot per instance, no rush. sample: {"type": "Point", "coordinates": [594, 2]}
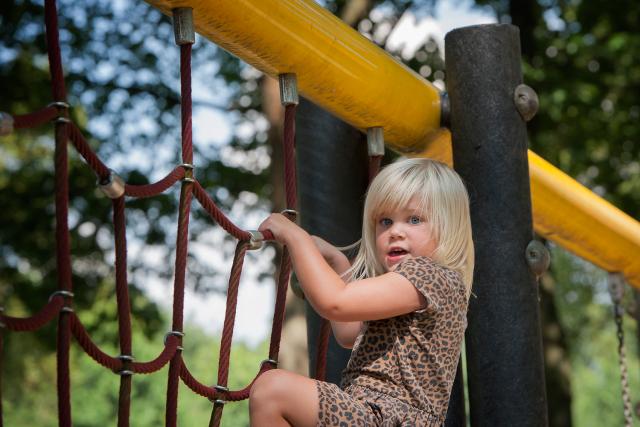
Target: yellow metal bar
{"type": "Point", "coordinates": [336, 67]}
{"type": "Point", "coordinates": [571, 215]}
{"type": "Point", "coordinates": [344, 73]}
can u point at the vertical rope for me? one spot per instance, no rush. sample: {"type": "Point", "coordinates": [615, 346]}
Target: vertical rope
{"type": "Point", "coordinates": [124, 310]}
{"type": "Point", "coordinates": [281, 297]}
{"type": "Point", "coordinates": [185, 90]}
{"type": "Point", "coordinates": [63, 261]}
{"type": "Point", "coordinates": [227, 330]}
{"type": "Point", "coordinates": [182, 239]}
{"type": "Point", "coordinates": [321, 355]}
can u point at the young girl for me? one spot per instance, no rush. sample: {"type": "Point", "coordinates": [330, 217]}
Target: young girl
{"type": "Point", "coordinates": [402, 307]}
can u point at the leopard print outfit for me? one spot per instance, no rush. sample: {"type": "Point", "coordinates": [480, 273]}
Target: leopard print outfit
{"type": "Point", "coordinates": [402, 369]}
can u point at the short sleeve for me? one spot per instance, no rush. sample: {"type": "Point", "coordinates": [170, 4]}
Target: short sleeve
{"type": "Point", "coordinates": [433, 281]}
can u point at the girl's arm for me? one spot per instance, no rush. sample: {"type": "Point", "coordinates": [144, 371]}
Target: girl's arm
{"type": "Point", "coordinates": [345, 333]}
{"type": "Point", "coordinates": [380, 297]}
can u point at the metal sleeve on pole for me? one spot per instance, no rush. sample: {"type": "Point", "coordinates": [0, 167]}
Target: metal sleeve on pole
{"type": "Point", "coordinates": [183, 26]}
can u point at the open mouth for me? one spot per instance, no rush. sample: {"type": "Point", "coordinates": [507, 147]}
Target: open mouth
{"type": "Point", "coordinates": [397, 252]}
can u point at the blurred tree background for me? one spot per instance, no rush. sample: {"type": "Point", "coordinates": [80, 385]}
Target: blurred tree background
{"type": "Point", "coordinates": [582, 57]}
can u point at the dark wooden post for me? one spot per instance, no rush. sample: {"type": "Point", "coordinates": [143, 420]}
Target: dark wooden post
{"type": "Point", "coordinates": [503, 341]}
{"type": "Point", "coordinates": [331, 159]}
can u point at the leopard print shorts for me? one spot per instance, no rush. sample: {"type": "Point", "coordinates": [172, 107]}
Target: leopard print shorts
{"type": "Point", "coordinates": [362, 407]}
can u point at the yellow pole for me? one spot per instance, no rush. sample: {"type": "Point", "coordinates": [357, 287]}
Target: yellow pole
{"type": "Point", "coordinates": [344, 73]}
{"type": "Point", "coordinates": [336, 67]}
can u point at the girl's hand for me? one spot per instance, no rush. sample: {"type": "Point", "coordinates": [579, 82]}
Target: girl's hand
{"type": "Point", "coordinates": [282, 228]}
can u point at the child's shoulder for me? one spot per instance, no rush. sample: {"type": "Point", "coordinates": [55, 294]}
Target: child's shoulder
{"type": "Point", "coordinates": [424, 265]}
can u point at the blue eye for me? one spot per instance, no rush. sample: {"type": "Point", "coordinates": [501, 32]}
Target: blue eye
{"type": "Point", "coordinates": [385, 222]}
{"type": "Point", "coordinates": [414, 220]}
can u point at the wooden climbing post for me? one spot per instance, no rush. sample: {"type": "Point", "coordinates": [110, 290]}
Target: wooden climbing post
{"type": "Point", "coordinates": [503, 341]}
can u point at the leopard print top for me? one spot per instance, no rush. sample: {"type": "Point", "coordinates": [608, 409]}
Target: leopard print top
{"type": "Point", "coordinates": [414, 357]}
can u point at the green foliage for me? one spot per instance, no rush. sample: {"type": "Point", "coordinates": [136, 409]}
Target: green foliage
{"type": "Point", "coordinates": [586, 314]}
{"type": "Point", "coordinates": [95, 389]}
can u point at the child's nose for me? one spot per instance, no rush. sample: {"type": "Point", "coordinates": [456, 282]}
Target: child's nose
{"type": "Point", "coordinates": [396, 230]}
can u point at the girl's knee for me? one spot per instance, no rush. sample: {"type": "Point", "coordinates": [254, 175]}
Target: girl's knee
{"type": "Point", "coordinates": [269, 386]}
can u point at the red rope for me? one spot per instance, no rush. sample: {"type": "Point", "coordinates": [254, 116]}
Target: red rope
{"type": "Point", "coordinates": [183, 233]}
{"type": "Point", "coordinates": [124, 311]}
{"type": "Point", "coordinates": [69, 324]}
{"type": "Point", "coordinates": [36, 118]}
{"type": "Point", "coordinates": [278, 312]}
{"type": "Point", "coordinates": [84, 340]}
{"type": "Point", "coordinates": [323, 346]}
{"type": "Point", "coordinates": [374, 166]}
{"type": "Point", "coordinates": [230, 314]}
{"type": "Point", "coordinates": [156, 188]}
{"type": "Point", "coordinates": [82, 146]}
{"type": "Point", "coordinates": [44, 316]}
{"type": "Point", "coordinates": [209, 205]}
{"type": "Point", "coordinates": [159, 362]}
{"type": "Point", "coordinates": [211, 393]}
{"type": "Point", "coordinates": [185, 91]}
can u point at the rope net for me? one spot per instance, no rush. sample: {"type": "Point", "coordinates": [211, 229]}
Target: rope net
{"type": "Point", "coordinates": [60, 304]}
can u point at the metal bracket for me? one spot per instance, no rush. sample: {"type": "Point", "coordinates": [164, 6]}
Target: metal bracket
{"type": "Point", "coordinates": [183, 26]}
{"type": "Point", "coordinates": [526, 100]}
{"type": "Point", "coordinates": [538, 257]}
{"type": "Point", "coordinates": [288, 89]}
{"type": "Point", "coordinates": [375, 141]}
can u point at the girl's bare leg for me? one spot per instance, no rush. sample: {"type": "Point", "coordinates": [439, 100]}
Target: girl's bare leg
{"type": "Point", "coordinates": [281, 398]}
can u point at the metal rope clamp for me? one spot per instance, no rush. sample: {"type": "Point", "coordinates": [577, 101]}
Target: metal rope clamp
{"type": "Point", "coordinates": [188, 172]}
{"type": "Point", "coordinates": [270, 361]}
{"type": "Point", "coordinates": [112, 186]}
{"type": "Point", "coordinates": [126, 362]}
{"type": "Point", "coordinates": [66, 295]}
{"type": "Point", "coordinates": [256, 240]}
{"type": "Point", "coordinates": [219, 389]}
{"type": "Point", "coordinates": [178, 334]}
{"type": "Point", "coordinates": [6, 123]}
{"type": "Point", "coordinates": [291, 214]}
{"type": "Point", "coordinates": [63, 109]}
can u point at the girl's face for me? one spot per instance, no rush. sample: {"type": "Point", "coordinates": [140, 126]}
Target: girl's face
{"type": "Point", "coordinates": [403, 233]}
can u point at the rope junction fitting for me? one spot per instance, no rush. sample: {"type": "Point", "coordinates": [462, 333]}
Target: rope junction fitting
{"type": "Point", "coordinates": [113, 186]}
{"type": "Point", "coordinates": [256, 241]}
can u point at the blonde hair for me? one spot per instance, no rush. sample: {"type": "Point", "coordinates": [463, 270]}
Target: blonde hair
{"type": "Point", "coordinates": [441, 197]}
